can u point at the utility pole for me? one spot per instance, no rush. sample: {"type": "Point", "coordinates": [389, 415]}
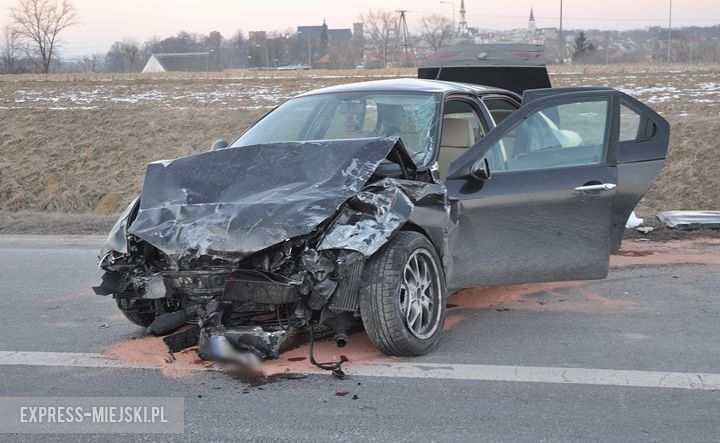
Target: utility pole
{"type": "Point", "coordinates": [607, 46]}
{"type": "Point", "coordinates": [669, 34]}
{"type": "Point", "coordinates": [309, 53]}
{"type": "Point", "coordinates": [561, 41]}
{"type": "Point", "coordinates": [307, 36]}
{"type": "Point", "coordinates": [403, 28]}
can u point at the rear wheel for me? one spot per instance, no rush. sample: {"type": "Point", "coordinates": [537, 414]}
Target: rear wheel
{"type": "Point", "coordinates": [402, 297]}
{"type": "Point", "coordinates": [139, 311]}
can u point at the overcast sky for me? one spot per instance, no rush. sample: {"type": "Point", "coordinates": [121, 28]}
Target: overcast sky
{"type": "Point", "coordinates": [105, 21]}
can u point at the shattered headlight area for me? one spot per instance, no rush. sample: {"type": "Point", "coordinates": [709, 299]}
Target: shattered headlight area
{"type": "Point", "coordinates": [244, 308]}
{"type": "Point", "coordinates": [291, 254]}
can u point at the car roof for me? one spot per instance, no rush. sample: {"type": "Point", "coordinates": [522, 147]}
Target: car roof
{"type": "Point", "coordinates": [409, 85]}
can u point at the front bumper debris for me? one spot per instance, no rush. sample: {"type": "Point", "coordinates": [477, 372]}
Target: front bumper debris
{"type": "Point", "coordinates": [253, 339]}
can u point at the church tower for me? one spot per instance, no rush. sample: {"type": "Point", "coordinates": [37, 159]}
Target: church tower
{"type": "Point", "coordinates": [531, 23]}
{"type": "Point", "coordinates": [462, 28]}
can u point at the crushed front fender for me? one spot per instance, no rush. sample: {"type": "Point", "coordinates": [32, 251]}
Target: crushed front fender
{"type": "Point", "coordinates": [234, 202]}
{"type": "Point", "coordinates": [369, 219]}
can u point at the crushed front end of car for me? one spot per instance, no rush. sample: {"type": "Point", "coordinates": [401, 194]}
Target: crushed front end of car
{"type": "Point", "coordinates": [247, 245]}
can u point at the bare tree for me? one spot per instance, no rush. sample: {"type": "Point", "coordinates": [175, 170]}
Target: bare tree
{"type": "Point", "coordinates": [123, 56]}
{"type": "Point", "coordinates": [236, 50]}
{"type": "Point", "coordinates": [10, 49]}
{"type": "Point", "coordinates": [131, 52]}
{"type": "Point", "coordinates": [91, 63]}
{"type": "Point", "coordinates": [40, 22]}
{"type": "Point", "coordinates": [436, 31]}
{"type": "Point", "coordinates": [381, 28]}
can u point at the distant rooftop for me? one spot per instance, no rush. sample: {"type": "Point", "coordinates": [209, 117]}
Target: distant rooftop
{"type": "Point", "coordinates": [186, 62]}
{"type": "Point", "coordinates": [333, 34]}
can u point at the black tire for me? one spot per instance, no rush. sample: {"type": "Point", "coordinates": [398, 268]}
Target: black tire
{"type": "Point", "coordinates": [141, 312]}
{"type": "Point", "coordinates": [382, 290]}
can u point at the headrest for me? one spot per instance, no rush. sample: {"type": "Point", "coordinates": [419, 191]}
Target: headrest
{"type": "Point", "coordinates": [457, 133]}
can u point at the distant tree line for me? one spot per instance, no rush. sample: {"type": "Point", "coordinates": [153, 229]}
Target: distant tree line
{"type": "Point", "coordinates": [30, 42]}
{"type": "Point", "coordinates": [377, 47]}
{"type": "Point", "coordinates": [687, 45]}
{"type": "Point", "coordinates": [275, 49]}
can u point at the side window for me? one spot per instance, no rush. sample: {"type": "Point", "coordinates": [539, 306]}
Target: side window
{"type": "Point", "coordinates": [629, 124]}
{"type": "Point", "coordinates": [500, 108]}
{"type": "Point", "coordinates": [568, 134]}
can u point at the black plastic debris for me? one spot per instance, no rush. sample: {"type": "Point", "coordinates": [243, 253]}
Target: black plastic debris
{"type": "Point", "coordinates": [265, 345]}
{"type": "Point", "coordinates": [216, 347]}
{"type": "Point", "coordinates": [112, 283]}
{"type": "Point", "coordinates": [170, 321]}
{"type": "Point", "coordinates": [183, 338]}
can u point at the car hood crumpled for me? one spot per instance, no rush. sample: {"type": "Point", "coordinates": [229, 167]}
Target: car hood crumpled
{"type": "Point", "coordinates": [233, 202]}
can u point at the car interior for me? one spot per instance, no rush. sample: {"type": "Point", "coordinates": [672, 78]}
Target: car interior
{"type": "Point", "coordinates": [500, 108]}
{"type": "Point", "coordinates": [538, 142]}
{"type": "Point", "coordinates": [461, 129]}
{"type": "Point", "coordinates": [457, 136]}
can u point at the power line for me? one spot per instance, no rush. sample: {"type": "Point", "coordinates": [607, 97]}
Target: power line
{"type": "Point", "coordinates": [595, 18]}
{"type": "Point", "coordinates": [670, 31]}
{"type": "Point", "coordinates": [617, 19]}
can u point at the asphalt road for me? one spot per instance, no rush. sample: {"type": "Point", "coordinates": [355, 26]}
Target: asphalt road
{"type": "Point", "coordinates": [652, 325]}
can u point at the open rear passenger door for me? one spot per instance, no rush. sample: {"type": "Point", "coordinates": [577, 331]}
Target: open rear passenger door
{"type": "Point", "coordinates": [563, 183]}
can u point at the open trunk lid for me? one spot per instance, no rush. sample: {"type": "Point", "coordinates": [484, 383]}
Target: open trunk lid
{"type": "Point", "coordinates": [515, 67]}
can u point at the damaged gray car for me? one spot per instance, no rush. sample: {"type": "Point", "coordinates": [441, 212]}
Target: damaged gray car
{"type": "Point", "coordinates": [372, 202]}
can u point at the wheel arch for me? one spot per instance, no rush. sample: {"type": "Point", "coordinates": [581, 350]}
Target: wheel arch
{"type": "Point", "coordinates": [437, 239]}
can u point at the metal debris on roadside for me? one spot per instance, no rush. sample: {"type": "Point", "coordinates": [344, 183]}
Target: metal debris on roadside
{"type": "Point", "coordinates": [335, 367]}
{"type": "Point", "coordinates": [691, 220]}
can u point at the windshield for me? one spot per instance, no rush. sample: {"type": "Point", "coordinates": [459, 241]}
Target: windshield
{"type": "Point", "coordinates": [351, 115]}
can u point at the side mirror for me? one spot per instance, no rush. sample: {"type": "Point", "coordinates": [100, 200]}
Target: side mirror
{"type": "Point", "coordinates": [219, 144]}
{"type": "Point", "coordinates": [480, 170]}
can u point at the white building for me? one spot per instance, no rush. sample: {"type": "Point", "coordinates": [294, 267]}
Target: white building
{"type": "Point", "coordinates": [181, 62]}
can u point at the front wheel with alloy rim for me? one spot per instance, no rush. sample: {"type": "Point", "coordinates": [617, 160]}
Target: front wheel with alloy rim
{"type": "Point", "coordinates": [402, 296]}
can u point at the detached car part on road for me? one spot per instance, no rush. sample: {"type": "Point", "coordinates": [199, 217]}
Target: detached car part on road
{"type": "Point", "coordinates": [374, 201]}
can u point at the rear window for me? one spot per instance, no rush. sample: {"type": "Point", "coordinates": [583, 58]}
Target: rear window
{"type": "Point", "coordinates": [500, 108]}
{"type": "Point", "coordinates": [629, 124]}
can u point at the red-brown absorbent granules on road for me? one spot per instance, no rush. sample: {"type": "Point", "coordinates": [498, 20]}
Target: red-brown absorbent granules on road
{"type": "Point", "coordinates": [152, 351]}
{"type": "Point", "coordinates": [563, 296]}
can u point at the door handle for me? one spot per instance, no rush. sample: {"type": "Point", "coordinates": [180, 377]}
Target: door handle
{"type": "Point", "coordinates": [600, 187]}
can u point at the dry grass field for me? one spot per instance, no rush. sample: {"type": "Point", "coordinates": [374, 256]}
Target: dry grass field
{"type": "Point", "coordinates": [79, 143]}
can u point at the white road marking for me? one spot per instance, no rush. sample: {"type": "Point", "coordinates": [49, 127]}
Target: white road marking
{"type": "Point", "coordinates": [525, 374]}
{"type": "Point", "coordinates": [68, 359]}
{"type": "Point", "coordinates": [531, 374]}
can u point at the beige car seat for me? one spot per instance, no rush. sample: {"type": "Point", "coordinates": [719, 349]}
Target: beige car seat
{"type": "Point", "coordinates": [457, 136]}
